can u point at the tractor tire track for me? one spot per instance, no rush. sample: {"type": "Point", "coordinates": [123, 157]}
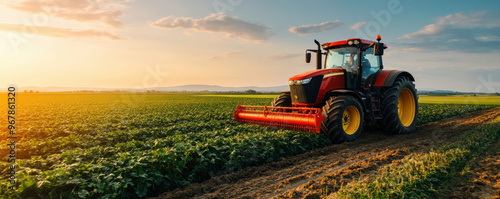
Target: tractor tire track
{"type": "Point", "coordinates": [312, 173]}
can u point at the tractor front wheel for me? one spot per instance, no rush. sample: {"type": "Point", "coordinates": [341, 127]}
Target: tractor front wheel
{"type": "Point", "coordinates": [343, 119]}
{"type": "Point", "coordinates": [400, 107]}
{"type": "Point", "coordinates": [283, 100]}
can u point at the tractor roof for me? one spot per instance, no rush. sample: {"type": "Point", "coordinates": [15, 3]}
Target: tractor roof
{"type": "Point", "coordinates": [345, 43]}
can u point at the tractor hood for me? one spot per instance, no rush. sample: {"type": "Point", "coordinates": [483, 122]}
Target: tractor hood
{"type": "Point", "coordinates": [314, 73]}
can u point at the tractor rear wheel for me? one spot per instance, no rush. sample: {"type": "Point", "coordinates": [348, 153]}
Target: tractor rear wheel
{"type": "Point", "coordinates": [400, 107]}
{"type": "Point", "coordinates": [283, 100]}
{"type": "Point", "coordinates": [343, 119]}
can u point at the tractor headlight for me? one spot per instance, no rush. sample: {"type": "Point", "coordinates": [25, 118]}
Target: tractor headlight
{"type": "Point", "coordinates": [290, 82]}
{"type": "Point", "coordinates": [351, 42]}
{"type": "Point", "coordinates": [324, 46]}
{"type": "Point", "coordinates": [305, 81]}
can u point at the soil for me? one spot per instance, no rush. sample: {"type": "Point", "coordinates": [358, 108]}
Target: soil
{"type": "Point", "coordinates": [320, 172]}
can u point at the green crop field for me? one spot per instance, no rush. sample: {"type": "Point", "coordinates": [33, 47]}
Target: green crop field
{"type": "Point", "coordinates": [119, 145]}
{"type": "Point", "coordinates": [489, 100]}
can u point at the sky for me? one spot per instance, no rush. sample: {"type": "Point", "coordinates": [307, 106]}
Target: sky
{"type": "Point", "coordinates": [446, 45]}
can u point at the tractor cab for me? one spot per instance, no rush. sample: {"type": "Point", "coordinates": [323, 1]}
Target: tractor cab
{"type": "Point", "coordinates": [359, 58]}
{"type": "Point", "coordinates": [347, 58]}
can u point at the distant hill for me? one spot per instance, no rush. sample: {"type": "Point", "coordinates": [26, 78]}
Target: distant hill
{"type": "Point", "coordinates": [183, 88]}
{"type": "Point", "coordinates": [438, 92]}
{"type": "Point", "coordinates": [215, 88]}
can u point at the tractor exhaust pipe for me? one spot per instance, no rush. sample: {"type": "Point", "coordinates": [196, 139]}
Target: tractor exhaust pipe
{"type": "Point", "coordinates": [318, 55]}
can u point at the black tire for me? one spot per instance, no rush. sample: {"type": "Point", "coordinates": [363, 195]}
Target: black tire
{"type": "Point", "coordinates": [334, 110]}
{"type": "Point", "coordinates": [283, 100]}
{"type": "Point", "coordinates": [391, 121]}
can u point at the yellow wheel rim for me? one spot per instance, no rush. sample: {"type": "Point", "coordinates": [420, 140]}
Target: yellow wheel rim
{"type": "Point", "coordinates": [351, 120]}
{"type": "Point", "coordinates": [406, 107]}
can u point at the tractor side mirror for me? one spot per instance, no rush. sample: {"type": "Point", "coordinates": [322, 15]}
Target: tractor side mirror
{"type": "Point", "coordinates": [308, 57]}
{"type": "Point", "coordinates": [378, 49]}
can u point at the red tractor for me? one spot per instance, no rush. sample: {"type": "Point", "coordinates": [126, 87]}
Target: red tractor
{"type": "Point", "coordinates": [337, 97]}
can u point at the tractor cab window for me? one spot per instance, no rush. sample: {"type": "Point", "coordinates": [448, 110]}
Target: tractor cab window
{"type": "Point", "coordinates": [369, 62]}
{"type": "Point", "coordinates": [345, 58]}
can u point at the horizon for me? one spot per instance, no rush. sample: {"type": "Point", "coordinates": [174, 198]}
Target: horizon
{"type": "Point", "coordinates": [145, 44]}
{"type": "Point", "coordinates": [245, 88]}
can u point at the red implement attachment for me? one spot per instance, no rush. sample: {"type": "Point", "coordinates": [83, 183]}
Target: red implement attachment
{"type": "Point", "coordinates": [293, 118]}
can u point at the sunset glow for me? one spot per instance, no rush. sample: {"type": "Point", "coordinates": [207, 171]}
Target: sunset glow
{"type": "Point", "coordinates": [142, 43]}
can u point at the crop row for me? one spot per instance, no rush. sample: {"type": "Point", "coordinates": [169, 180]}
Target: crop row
{"type": "Point", "coordinates": [434, 112]}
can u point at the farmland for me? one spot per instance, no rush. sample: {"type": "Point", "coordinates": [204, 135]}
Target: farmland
{"type": "Point", "coordinates": [423, 99]}
{"type": "Point", "coordinates": [489, 100]}
{"type": "Point", "coordinates": [122, 145]}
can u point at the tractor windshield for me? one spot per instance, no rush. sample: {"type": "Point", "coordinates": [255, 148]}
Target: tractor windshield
{"type": "Point", "coordinates": [342, 58]}
{"type": "Point", "coordinates": [370, 63]}
{"type": "Point", "coordinates": [347, 58]}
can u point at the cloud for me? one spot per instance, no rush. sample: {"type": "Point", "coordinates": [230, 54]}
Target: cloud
{"type": "Point", "coordinates": [322, 27]}
{"type": "Point", "coordinates": [431, 29]}
{"type": "Point", "coordinates": [357, 25]}
{"type": "Point", "coordinates": [225, 55]}
{"type": "Point", "coordinates": [488, 38]}
{"type": "Point", "coordinates": [56, 32]}
{"type": "Point", "coordinates": [232, 27]}
{"type": "Point", "coordinates": [104, 12]}
{"type": "Point", "coordinates": [473, 32]}
{"type": "Point", "coordinates": [284, 55]}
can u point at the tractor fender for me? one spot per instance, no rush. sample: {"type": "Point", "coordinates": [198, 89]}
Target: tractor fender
{"type": "Point", "coordinates": [386, 78]}
{"type": "Point", "coordinates": [338, 92]}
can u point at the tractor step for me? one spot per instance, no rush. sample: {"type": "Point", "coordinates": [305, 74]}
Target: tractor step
{"type": "Point", "coordinates": [377, 112]}
{"type": "Point", "coordinates": [375, 100]}
{"type": "Point", "coordinates": [294, 118]}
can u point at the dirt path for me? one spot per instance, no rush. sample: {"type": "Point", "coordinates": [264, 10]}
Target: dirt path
{"type": "Point", "coordinates": [483, 178]}
{"type": "Point", "coordinates": [322, 171]}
